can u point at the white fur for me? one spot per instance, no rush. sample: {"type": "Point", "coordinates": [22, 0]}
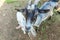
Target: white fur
{"type": "Point", "coordinates": [21, 21]}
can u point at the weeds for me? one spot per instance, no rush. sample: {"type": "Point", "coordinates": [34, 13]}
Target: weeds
{"type": "Point", "coordinates": [10, 1]}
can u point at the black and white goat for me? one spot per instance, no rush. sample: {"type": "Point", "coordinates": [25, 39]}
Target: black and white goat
{"type": "Point", "coordinates": [49, 6]}
{"type": "Point", "coordinates": [25, 23]}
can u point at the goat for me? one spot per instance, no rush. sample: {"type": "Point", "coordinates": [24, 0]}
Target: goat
{"type": "Point", "coordinates": [25, 22]}
{"type": "Point", "coordinates": [42, 15]}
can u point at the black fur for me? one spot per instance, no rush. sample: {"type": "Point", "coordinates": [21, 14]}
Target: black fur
{"type": "Point", "coordinates": [54, 0]}
{"type": "Point", "coordinates": [43, 10]}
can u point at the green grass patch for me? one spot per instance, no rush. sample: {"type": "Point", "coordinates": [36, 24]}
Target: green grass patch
{"type": "Point", "coordinates": [43, 29]}
{"type": "Point", "coordinates": [10, 1]}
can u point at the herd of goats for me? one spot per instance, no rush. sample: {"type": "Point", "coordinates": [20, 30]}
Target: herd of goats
{"type": "Point", "coordinates": [32, 16]}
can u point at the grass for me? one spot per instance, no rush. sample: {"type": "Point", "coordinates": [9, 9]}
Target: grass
{"type": "Point", "coordinates": [10, 1]}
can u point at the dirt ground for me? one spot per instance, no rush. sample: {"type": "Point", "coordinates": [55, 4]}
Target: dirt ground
{"type": "Point", "coordinates": [8, 23]}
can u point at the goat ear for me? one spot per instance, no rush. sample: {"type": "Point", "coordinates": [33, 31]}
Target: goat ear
{"type": "Point", "coordinates": [20, 10]}
{"type": "Point", "coordinates": [17, 9]}
{"type": "Point", "coordinates": [43, 10]}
